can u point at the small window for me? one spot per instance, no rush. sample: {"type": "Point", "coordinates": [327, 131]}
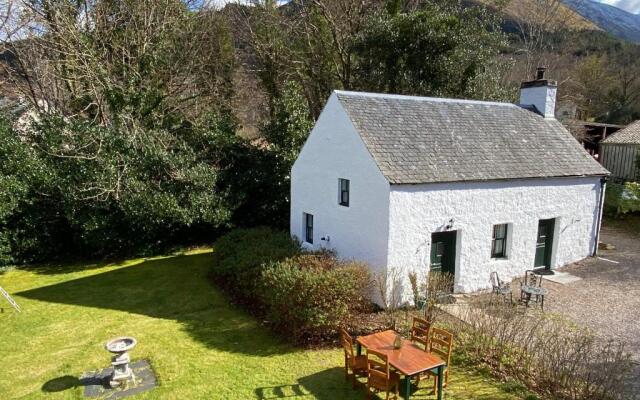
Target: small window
{"type": "Point", "coordinates": [344, 192]}
{"type": "Point", "coordinates": [308, 228]}
{"type": "Point", "coordinates": [499, 243]}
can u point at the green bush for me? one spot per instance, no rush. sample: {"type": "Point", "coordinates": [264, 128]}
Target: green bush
{"type": "Point", "coordinates": [241, 253]}
{"type": "Point", "coordinates": [309, 296]}
{"type": "Point", "coordinates": [622, 198]}
{"type": "Point", "coordinates": [303, 295]}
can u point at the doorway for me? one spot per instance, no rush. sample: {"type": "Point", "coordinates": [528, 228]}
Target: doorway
{"type": "Point", "coordinates": [443, 252]}
{"type": "Point", "coordinates": [544, 243]}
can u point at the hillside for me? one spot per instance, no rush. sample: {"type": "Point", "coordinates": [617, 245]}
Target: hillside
{"type": "Point", "coordinates": [619, 23]}
{"type": "Point", "coordinates": [551, 13]}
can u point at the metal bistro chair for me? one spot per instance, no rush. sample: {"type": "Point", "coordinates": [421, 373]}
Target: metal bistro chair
{"type": "Point", "coordinates": [501, 288]}
{"type": "Point", "coordinates": [356, 364]}
{"type": "Point", "coordinates": [531, 280]}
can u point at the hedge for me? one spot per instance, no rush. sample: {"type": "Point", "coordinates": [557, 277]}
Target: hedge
{"type": "Point", "coordinates": [304, 296]}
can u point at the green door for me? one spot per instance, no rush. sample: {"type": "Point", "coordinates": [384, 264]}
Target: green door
{"type": "Point", "coordinates": [443, 252]}
{"type": "Point", "coordinates": [544, 244]}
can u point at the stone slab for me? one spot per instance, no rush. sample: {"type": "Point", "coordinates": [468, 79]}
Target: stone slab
{"type": "Point", "coordinates": [562, 278]}
{"type": "Point", "coordinates": [96, 383]}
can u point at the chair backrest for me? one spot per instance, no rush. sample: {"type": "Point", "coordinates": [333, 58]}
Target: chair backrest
{"type": "Point", "coordinates": [532, 279]}
{"type": "Point", "coordinates": [441, 344]}
{"type": "Point", "coordinates": [420, 331]}
{"type": "Point", "coordinates": [347, 344]}
{"type": "Point", "coordinates": [495, 280]}
{"type": "Point", "coordinates": [378, 365]}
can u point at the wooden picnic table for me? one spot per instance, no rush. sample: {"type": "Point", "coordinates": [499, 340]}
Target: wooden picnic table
{"type": "Point", "coordinates": [409, 360]}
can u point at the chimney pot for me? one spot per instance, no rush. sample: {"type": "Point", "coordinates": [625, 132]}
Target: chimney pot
{"type": "Point", "coordinates": [540, 73]}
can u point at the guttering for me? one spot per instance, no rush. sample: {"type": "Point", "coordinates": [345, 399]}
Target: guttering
{"type": "Point", "coordinates": [603, 185]}
{"type": "Point", "coordinates": [524, 178]}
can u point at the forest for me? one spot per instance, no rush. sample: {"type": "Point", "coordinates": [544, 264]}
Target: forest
{"type": "Point", "coordinates": [132, 126]}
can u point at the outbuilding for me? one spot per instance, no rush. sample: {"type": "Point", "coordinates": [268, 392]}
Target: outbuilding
{"type": "Point", "coordinates": [620, 152]}
{"type": "Point", "coordinates": [419, 184]}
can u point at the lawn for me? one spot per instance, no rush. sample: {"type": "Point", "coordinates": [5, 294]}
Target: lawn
{"type": "Point", "coordinates": [198, 344]}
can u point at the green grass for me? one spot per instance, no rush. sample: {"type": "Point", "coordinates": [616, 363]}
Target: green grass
{"type": "Point", "coordinates": [199, 346]}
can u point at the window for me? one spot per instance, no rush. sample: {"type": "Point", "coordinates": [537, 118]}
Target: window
{"type": "Point", "coordinates": [308, 228]}
{"type": "Point", "coordinates": [344, 192]}
{"type": "Point", "coordinates": [499, 243]}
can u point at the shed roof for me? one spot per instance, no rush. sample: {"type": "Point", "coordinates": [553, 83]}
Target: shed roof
{"type": "Point", "coordinates": [426, 140]}
{"type": "Point", "coordinates": [628, 135]}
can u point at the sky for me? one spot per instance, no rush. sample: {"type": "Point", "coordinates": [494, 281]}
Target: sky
{"type": "Point", "coordinates": [632, 6]}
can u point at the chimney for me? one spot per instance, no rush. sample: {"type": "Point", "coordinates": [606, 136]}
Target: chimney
{"type": "Point", "coordinates": [540, 93]}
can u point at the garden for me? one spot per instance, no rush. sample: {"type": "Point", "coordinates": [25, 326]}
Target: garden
{"type": "Point", "coordinates": [256, 317]}
{"type": "Point", "coordinates": [198, 344]}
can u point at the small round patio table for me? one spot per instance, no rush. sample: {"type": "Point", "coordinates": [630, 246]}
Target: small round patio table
{"type": "Point", "coordinates": [539, 292]}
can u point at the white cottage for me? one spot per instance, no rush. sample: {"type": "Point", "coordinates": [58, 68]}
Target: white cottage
{"type": "Point", "coordinates": [467, 187]}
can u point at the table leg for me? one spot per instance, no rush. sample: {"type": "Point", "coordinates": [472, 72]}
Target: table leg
{"type": "Point", "coordinates": [407, 387]}
{"type": "Point", "coordinates": [440, 378]}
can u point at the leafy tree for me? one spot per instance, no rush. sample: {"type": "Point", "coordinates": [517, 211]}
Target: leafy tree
{"type": "Point", "coordinates": [284, 134]}
{"type": "Point", "coordinates": [437, 51]}
{"type": "Point", "coordinates": [288, 130]}
{"type": "Point", "coordinates": [103, 191]}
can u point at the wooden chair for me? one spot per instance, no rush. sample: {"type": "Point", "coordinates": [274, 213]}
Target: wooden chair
{"type": "Point", "coordinates": [420, 331]}
{"type": "Point", "coordinates": [441, 344]}
{"type": "Point", "coordinates": [501, 288]}
{"type": "Point", "coordinates": [420, 334]}
{"type": "Point", "coordinates": [356, 364]}
{"type": "Point", "coordinates": [379, 376]}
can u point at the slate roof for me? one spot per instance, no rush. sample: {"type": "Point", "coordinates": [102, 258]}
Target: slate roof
{"type": "Point", "coordinates": [627, 135]}
{"type": "Point", "coordinates": [426, 140]}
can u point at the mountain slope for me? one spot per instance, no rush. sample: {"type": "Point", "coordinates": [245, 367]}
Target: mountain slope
{"type": "Point", "coordinates": [619, 23]}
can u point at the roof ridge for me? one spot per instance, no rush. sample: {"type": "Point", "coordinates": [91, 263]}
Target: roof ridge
{"type": "Point", "coordinates": [422, 98]}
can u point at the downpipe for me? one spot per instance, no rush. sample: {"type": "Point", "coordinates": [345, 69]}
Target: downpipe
{"type": "Point", "coordinates": [603, 185]}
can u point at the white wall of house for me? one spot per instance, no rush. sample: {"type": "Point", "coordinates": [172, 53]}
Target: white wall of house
{"type": "Point", "coordinates": [418, 210]}
{"type": "Point", "coordinates": [334, 150]}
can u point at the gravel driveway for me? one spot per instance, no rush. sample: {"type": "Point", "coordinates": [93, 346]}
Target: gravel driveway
{"type": "Point", "coordinates": [607, 299]}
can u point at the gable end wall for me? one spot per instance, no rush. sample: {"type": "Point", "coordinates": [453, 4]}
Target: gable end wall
{"type": "Point", "coordinates": [334, 150]}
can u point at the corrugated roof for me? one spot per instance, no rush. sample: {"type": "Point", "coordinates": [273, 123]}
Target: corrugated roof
{"type": "Point", "coordinates": [425, 140]}
{"type": "Point", "coordinates": [628, 135]}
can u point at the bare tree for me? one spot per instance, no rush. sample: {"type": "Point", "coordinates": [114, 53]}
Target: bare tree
{"type": "Point", "coordinates": [540, 24]}
{"type": "Point", "coordinates": [74, 57]}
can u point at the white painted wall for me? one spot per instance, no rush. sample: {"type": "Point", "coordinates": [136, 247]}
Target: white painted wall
{"type": "Point", "coordinates": [390, 226]}
{"type": "Point", "coordinates": [418, 210]}
{"type": "Point", "coordinates": [334, 150]}
{"type": "Point", "coordinates": [543, 97]}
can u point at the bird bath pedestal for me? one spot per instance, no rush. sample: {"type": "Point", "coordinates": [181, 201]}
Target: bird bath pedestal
{"type": "Point", "coordinates": [122, 372]}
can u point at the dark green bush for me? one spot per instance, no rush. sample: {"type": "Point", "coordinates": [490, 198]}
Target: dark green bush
{"type": "Point", "coordinates": [309, 296]}
{"type": "Point", "coordinates": [303, 295]}
{"type": "Point", "coordinates": [241, 253]}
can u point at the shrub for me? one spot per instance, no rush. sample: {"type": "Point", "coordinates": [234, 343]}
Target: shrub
{"type": "Point", "coordinates": [303, 295]}
{"type": "Point", "coordinates": [241, 253]}
{"type": "Point", "coordinates": [309, 296]}
{"type": "Point", "coordinates": [547, 353]}
{"type": "Point", "coordinates": [622, 198]}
